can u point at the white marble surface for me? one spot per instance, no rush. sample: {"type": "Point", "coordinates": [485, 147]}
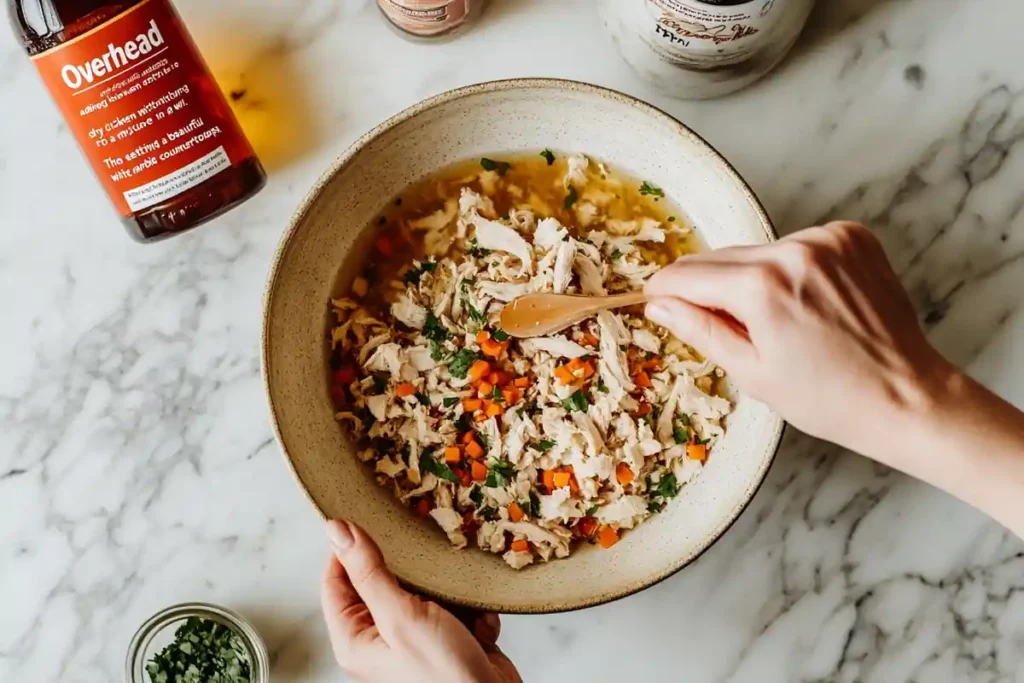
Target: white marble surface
{"type": "Point", "coordinates": [137, 466]}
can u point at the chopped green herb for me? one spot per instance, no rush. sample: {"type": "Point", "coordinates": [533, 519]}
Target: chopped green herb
{"type": "Point", "coordinates": [488, 164]}
{"type": "Point", "coordinates": [436, 351]}
{"type": "Point", "coordinates": [590, 511]}
{"type": "Point", "coordinates": [496, 394]}
{"type": "Point", "coordinates": [380, 384]}
{"type": "Point", "coordinates": [532, 408]}
{"type": "Point", "coordinates": [549, 156]}
{"type": "Point", "coordinates": [203, 651]}
{"type": "Point", "coordinates": [422, 398]}
{"type": "Point", "coordinates": [622, 347]}
{"type": "Point", "coordinates": [428, 463]}
{"type": "Point", "coordinates": [449, 401]}
{"type": "Point", "coordinates": [647, 189]}
{"type": "Point", "coordinates": [616, 253]}
{"type": "Point", "coordinates": [685, 419]}
{"type": "Point", "coordinates": [458, 366]}
{"type": "Point", "coordinates": [534, 504]}
{"type": "Point", "coordinates": [501, 472]}
{"type": "Point", "coordinates": [601, 386]}
{"type": "Point", "coordinates": [578, 402]}
{"type": "Point", "coordinates": [485, 440]}
{"type": "Point", "coordinates": [570, 198]}
{"type": "Point", "coordinates": [413, 275]}
{"type": "Point", "coordinates": [668, 487]}
{"type": "Point", "coordinates": [464, 285]}
{"type": "Point", "coordinates": [433, 329]}
{"type": "Point", "coordinates": [654, 507]}
{"type": "Point", "coordinates": [489, 513]}
{"type": "Point", "coordinates": [545, 445]}
{"type": "Point", "coordinates": [475, 315]}
{"type": "Point", "coordinates": [671, 219]}
{"type": "Point", "coordinates": [500, 335]}
{"type": "Point", "coordinates": [495, 480]}
{"type": "Point", "coordinates": [475, 249]}
{"type": "Point", "coordinates": [680, 433]}
{"type": "Point", "coordinates": [477, 496]}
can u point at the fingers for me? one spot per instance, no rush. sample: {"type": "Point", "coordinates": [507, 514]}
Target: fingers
{"type": "Point", "coordinates": [487, 629]}
{"type": "Point", "coordinates": [708, 332]}
{"type": "Point", "coordinates": [367, 574]}
{"type": "Point", "coordinates": [344, 612]}
{"type": "Point", "coordinates": [724, 280]}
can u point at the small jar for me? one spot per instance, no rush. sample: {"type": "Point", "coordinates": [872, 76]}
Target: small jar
{"type": "Point", "coordinates": [431, 20]}
{"type": "Point", "coordinates": [158, 632]}
{"type": "Point", "coordinates": [698, 49]}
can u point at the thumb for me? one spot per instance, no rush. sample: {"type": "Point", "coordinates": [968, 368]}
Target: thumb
{"type": "Point", "coordinates": [715, 336]}
{"type": "Point", "coordinates": [364, 565]}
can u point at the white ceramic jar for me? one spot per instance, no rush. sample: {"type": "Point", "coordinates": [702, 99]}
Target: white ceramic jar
{"type": "Point", "coordinates": [704, 48]}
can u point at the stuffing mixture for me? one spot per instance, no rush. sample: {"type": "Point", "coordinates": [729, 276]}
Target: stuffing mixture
{"type": "Point", "coordinates": [524, 447]}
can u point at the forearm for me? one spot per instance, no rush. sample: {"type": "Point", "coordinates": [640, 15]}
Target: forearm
{"type": "Point", "coordinates": [970, 443]}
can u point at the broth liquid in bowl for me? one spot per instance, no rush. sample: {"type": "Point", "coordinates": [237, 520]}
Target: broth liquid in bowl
{"type": "Point", "coordinates": [526, 446]}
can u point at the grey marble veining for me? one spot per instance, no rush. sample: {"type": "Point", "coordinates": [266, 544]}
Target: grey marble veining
{"type": "Point", "coordinates": [137, 467]}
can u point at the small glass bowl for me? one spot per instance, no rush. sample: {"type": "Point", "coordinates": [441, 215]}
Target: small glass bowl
{"type": "Point", "coordinates": [158, 632]}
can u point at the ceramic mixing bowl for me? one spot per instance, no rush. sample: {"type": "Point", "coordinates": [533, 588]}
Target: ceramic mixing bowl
{"type": "Point", "coordinates": [324, 247]}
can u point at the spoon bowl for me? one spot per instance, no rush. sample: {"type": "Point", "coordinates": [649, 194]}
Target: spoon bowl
{"type": "Point", "coordinates": [538, 315]}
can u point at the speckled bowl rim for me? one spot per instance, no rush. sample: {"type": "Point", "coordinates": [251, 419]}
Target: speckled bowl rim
{"type": "Point", "coordinates": [426, 105]}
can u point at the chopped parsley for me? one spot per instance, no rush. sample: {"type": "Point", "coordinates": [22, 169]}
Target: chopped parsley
{"type": "Point", "coordinates": [413, 275]}
{"type": "Point", "coordinates": [534, 504]}
{"type": "Point", "coordinates": [570, 198]}
{"type": "Point", "coordinates": [449, 401]}
{"type": "Point", "coordinates": [545, 445]}
{"type": "Point", "coordinates": [491, 165]}
{"type": "Point", "coordinates": [434, 330]}
{"type": "Point", "coordinates": [380, 384]}
{"type": "Point", "coordinates": [475, 249]}
{"type": "Point", "coordinates": [499, 335]}
{"type": "Point", "coordinates": [485, 440]}
{"type": "Point", "coordinates": [464, 285]}
{"type": "Point", "coordinates": [436, 351]}
{"type": "Point", "coordinates": [458, 366]}
{"type": "Point", "coordinates": [549, 156]}
{"type": "Point", "coordinates": [684, 419]}
{"type": "Point", "coordinates": [500, 473]}
{"type": "Point", "coordinates": [477, 496]}
{"type": "Point", "coordinates": [671, 219]}
{"type": "Point", "coordinates": [475, 315]}
{"type": "Point", "coordinates": [422, 398]}
{"type": "Point", "coordinates": [428, 463]}
{"type": "Point", "coordinates": [590, 511]}
{"type": "Point", "coordinates": [668, 487]}
{"type": "Point", "coordinates": [654, 507]}
{"type": "Point", "coordinates": [601, 386]}
{"type": "Point", "coordinates": [680, 433]}
{"type": "Point", "coordinates": [647, 189]}
{"type": "Point", "coordinates": [577, 402]}
{"type": "Point", "coordinates": [616, 253]}
{"type": "Point", "coordinates": [203, 651]}
{"type": "Point", "coordinates": [532, 408]}
{"type": "Point", "coordinates": [496, 394]}
{"type": "Point", "coordinates": [489, 513]}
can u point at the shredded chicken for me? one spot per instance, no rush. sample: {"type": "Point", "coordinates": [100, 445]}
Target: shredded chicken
{"type": "Point", "coordinates": [524, 447]}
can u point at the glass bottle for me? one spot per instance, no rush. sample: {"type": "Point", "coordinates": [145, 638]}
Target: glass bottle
{"type": "Point", "coordinates": [699, 49]}
{"type": "Point", "coordinates": [144, 107]}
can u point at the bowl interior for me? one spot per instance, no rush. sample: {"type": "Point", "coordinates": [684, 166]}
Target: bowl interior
{"type": "Point", "coordinates": [328, 234]}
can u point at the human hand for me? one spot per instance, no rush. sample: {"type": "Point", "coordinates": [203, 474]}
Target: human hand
{"type": "Point", "coordinates": [816, 325]}
{"type": "Point", "coordinates": [381, 632]}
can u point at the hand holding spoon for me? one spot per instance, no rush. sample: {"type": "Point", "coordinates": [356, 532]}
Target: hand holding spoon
{"type": "Point", "coordinates": [538, 315]}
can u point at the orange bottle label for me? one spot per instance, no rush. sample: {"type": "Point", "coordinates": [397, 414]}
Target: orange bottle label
{"type": "Point", "coordinates": [144, 107]}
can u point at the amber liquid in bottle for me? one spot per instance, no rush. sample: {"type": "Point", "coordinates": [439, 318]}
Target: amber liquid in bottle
{"type": "Point", "coordinates": [48, 25]}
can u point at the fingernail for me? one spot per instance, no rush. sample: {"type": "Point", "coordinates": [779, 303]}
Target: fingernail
{"type": "Point", "coordinates": [340, 535]}
{"type": "Point", "coordinates": [659, 313]}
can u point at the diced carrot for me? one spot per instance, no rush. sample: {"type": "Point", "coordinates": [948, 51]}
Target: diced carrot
{"type": "Point", "coordinates": [607, 536]}
{"type": "Point", "coordinates": [474, 450]}
{"type": "Point", "coordinates": [384, 246]}
{"type": "Point", "coordinates": [564, 375]}
{"type": "Point", "coordinates": [588, 370]}
{"type": "Point", "coordinates": [491, 348]}
{"type": "Point", "coordinates": [511, 396]}
{"type": "Point", "coordinates": [478, 470]}
{"type": "Point", "coordinates": [521, 382]}
{"type": "Point", "coordinates": [485, 389]}
{"type": "Point", "coordinates": [405, 389]}
{"type": "Point", "coordinates": [482, 336]}
{"type": "Point", "coordinates": [623, 474]}
{"type": "Point", "coordinates": [643, 409]}
{"type": "Point", "coordinates": [548, 479]}
{"type": "Point", "coordinates": [642, 379]}
{"type": "Point", "coordinates": [471, 405]}
{"type": "Point", "coordinates": [452, 454]}
{"type": "Point", "coordinates": [467, 438]}
{"type": "Point", "coordinates": [697, 451]}
{"type": "Point", "coordinates": [586, 527]}
{"type": "Point", "coordinates": [574, 488]}
{"type": "Point", "coordinates": [562, 479]}
{"type": "Point", "coordinates": [422, 507]}
{"type": "Point", "coordinates": [479, 417]}
{"type": "Point", "coordinates": [478, 369]}
{"type": "Point", "coordinates": [500, 378]}
{"type": "Point", "coordinates": [575, 364]}
{"type": "Point", "coordinates": [653, 364]}
{"type": "Point", "coordinates": [515, 513]}
{"type": "Point", "coordinates": [492, 410]}
{"type": "Point", "coordinates": [521, 546]}
{"type": "Point", "coordinates": [590, 340]}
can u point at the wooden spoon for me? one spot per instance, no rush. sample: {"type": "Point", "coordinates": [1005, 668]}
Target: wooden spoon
{"type": "Point", "coordinates": [538, 315]}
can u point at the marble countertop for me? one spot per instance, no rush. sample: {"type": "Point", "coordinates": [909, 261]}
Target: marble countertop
{"type": "Point", "coordinates": [137, 465]}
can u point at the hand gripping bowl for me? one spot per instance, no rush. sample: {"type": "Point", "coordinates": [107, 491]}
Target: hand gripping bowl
{"type": "Point", "coordinates": [324, 247]}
